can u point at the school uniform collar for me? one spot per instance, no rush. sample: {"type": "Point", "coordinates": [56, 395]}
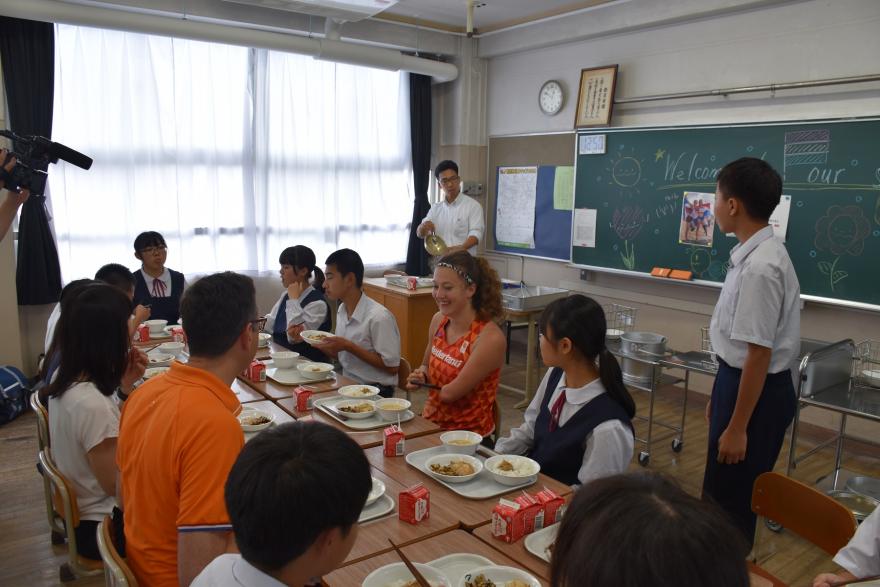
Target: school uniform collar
{"type": "Point", "coordinates": [360, 311]}
{"type": "Point", "coordinates": [166, 275]}
{"type": "Point", "coordinates": [201, 378]}
{"type": "Point", "coordinates": [581, 395]}
{"type": "Point", "coordinates": [739, 253]}
{"type": "Point", "coordinates": [250, 576]}
{"type": "Point", "coordinates": [304, 294]}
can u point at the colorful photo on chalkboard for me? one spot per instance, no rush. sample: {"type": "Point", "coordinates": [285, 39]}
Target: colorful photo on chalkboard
{"type": "Point", "coordinates": [697, 219]}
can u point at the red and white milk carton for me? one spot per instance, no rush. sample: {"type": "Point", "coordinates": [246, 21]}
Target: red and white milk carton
{"type": "Point", "coordinates": [507, 521]}
{"type": "Point", "coordinates": [531, 509]}
{"type": "Point", "coordinates": [394, 441]}
{"type": "Point", "coordinates": [412, 283]}
{"type": "Point", "coordinates": [553, 504]}
{"type": "Point", "coordinates": [177, 334]}
{"type": "Point", "coordinates": [256, 371]}
{"type": "Point", "coordinates": [142, 334]}
{"type": "Point", "coordinates": [414, 504]}
{"type": "Point", "coordinates": [303, 397]}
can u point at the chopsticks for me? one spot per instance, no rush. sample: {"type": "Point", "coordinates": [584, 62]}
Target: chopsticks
{"type": "Point", "coordinates": [412, 568]}
{"type": "Point", "coordinates": [427, 385]}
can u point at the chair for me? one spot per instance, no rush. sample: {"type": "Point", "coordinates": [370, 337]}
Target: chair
{"type": "Point", "coordinates": [496, 416]}
{"type": "Point", "coordinates": [65, 501]}
{"type": "Point", "coordinates": [56, 521]}
{"type": "Point", "coordinates": [403, 371]}
{"type": "Point", "coordinates": [809, 513]}
{"type": "Point", "coordinates": [116, 571]}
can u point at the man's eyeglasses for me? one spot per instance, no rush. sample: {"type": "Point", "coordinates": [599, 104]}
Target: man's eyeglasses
{"type": "Point", "coordinates": [258, 323]}
{"type": "Point", "coordinates": [153, 250]}
{"type": "Point", "coordinates": [450, 180]}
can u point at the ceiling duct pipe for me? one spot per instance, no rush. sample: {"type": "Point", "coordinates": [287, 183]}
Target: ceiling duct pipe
{"type": "Point", "coordinates": [187, 28]}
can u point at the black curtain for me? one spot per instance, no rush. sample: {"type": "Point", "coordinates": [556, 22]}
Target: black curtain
{"type": "Point", "coordinates": [27, 53]}
{"type": "Point", "coordinates": [420, 140]}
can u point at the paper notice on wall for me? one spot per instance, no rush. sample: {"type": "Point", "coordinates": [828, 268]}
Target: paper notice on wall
{"type": "Point", "coordinates": [584, 228]}
{"type": "Point", "coordinates": [515, 207]}
{"type": "Point", "coordinates": [563, 188]}
{"type": "Point", "coordinates": [779, 218]}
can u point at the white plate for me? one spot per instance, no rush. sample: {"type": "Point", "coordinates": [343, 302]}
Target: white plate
{"type": "Point", "coordinates": [455, 566]}
{"type": "Point", "coordinates": [376, 491]}
{"type": "Point", "coordinates": [379, 508]}
{"type": "Point", "coordinates": [483, 486]}
{"type": "Point", "coordinates": [500, 575]}
{"type": "Point", "coordinates": [326, 405]}
{"type": "Point", "coordinates": [359, 391]}
{"type": "Point", "coordinates": [153, 371]}
{"type": "Point", "coordinates": [389, 574]}
{"type": "Point", "coordinates": [250, 412]}
{"type": "Point", "coordinates": [538, 543]}
{"type": "Point", "coordinates": [448, 458]}
{"type": "Point", "coordinates": [155, 359]}
{"type": "Point", "coordinates": [872, 377]}
{"type": "Point", "coordinates": [293, 377]}
{"type": "Point", "coordinates": [309, 336]}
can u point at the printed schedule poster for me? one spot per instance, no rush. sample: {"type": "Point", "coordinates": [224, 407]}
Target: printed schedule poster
{"type": "Point", "coordinates": [515, 206]}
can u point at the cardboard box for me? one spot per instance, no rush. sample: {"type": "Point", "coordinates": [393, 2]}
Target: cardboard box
{"type": "Point", "coordinates": [507, 521]}
{"type": "Point", "coordinates": [303, 399]}
{"type": "Point", "coordinates": [394, 441]}
{"type": "Point", "coordinates": [414, 504]}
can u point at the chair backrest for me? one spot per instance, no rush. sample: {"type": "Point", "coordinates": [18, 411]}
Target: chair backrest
{"type": "Point", "coordinates": [805, 511]}
{"type": "Point", "coordinates": [403, 371]}
{"type": "Point", "coordinates": [42, 420]}
{"type": "Point", "coordinates": [496, 416]}
{"type": "Point", "coordinates": [116, 571]}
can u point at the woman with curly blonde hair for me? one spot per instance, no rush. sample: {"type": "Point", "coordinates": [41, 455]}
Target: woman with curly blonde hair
{"type": "Point", "coordinates": [466, 351]}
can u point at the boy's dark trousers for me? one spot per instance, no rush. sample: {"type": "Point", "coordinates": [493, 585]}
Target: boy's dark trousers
{"type": "Point", "coordinates": [731, 485]}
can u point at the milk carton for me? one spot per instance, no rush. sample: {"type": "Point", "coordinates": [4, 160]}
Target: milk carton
{"type": "Point", "coordinates": [508, 523]}
{"type": "Point", "coordinates": [303, 397]}
{"type": "Point", "coordinates": [553, 505]}
{"type": "Point", "coordinates": [394, 441]}
{"type": "Point", "coordinates": [414, 504]}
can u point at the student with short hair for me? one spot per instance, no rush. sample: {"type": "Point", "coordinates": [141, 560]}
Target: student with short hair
{"type": "Point", "coordinates": [578, 426]}
{"type": "Point", "coordinates": [367, 340]}
{"type": "Point", "coordinates": [302, 306]}
{"type": "Point", "coordinates": [294, 496]}
{"type": "Point", "coordinates": [122, 279]}
{"type": "Point", "coordinates": [179, 437]}
{"type": "Point", "coordinates": [755, 332]}
{"type": "Point", "coordinates": [640, 529]}
{"type": "Point", "coordinates": [466, 349]}
{"type": "Point", "coordinates": [95, 361]}
{"type": "Point", "coordinates": [157, 286]}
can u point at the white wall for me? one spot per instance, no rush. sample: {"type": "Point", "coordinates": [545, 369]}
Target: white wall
{"type": "Point", "coordinates": [792, 41]}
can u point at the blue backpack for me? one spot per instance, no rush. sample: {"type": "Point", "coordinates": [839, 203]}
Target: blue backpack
{"type": "Point", "coordinates": [14, 393]}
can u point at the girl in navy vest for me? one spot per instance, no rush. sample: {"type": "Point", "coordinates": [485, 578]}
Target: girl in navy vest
{"type": "Point", "coordinates": [303, 306]}
{"type": "Point", "coordinates": [156, 286]}
{"type": "Point", "coordinates": [578, 425]}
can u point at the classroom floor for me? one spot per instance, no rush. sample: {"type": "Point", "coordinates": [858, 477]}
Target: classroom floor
{"type": "Point", "coordinates": [28, 559]}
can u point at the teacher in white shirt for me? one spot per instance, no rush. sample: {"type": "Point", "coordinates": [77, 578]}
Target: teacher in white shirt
{"type": "Point", "coordinates": [457, 219]}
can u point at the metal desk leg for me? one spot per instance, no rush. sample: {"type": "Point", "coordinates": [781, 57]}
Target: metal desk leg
{"type": "Point", "coordinates": [792, 451]}
{"type": "Point", "coordinates": [530, 364]}
{"type": "Point", "coordinates": [645, 455]}
{"type": "Point", "coordinates": [838, 457]}
{"type": "Point", "coordinates": [677, 443]}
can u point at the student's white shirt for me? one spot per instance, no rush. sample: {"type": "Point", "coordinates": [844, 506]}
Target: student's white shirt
{"type": "Point", "coordinates": [608, 450]}
{"type": "Point", "coordinates": [759, 304]}
{"type": "Point", "coordinates": [164, 278]}
{"type": "Point", "coordinates": [457, 221]}
{"type": "Point", "coordinates": [374, 328]}
{"type": "Point", "coordinates": [51, 323]}
{"type": "Point", "coordinates": [312, 315]}
{"type": "Point", "coordinates": [861, 556]}
{"type": "Point", "coordinates": [79, 421]}
{"type": "Point", "coordinates": [232, 569]}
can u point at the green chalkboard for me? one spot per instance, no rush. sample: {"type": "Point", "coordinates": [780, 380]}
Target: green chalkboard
{"type": "Point", "coordinates": [831, 170]}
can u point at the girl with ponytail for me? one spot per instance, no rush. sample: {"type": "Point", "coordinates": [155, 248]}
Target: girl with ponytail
{"type": "Point", "coordinates": [578, 426]}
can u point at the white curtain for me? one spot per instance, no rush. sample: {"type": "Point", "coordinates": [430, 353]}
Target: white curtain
{"type": "Point", "coordinates": [232, 154]}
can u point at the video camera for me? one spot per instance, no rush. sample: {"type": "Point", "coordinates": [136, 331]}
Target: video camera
{"type": "Point", "coordinates": [34, 155]}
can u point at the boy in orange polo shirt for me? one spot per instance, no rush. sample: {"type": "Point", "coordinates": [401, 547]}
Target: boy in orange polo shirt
{"type": "Point", "coordinates": [178, 438]}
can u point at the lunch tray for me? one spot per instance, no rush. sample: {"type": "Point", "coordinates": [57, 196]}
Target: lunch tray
{"type": "Point", "coordinates": [371, 423]}
{"type": "Point", "coordinates": [291, 376]}
{"type": "Point", "coordinates": [401, 281]}
{"type": "Point", "coordinates": [537, 542]}
{"type": "Point", "coordinates": [483, 486]}
{"type": "Point", "coordinates": [379, 508]}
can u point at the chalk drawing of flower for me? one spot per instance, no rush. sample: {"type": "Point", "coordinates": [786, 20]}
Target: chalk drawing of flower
{"type": "Point", "coordinates": [842, 230]}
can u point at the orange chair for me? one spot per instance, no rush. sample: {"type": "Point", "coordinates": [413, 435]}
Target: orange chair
{"type": "Point", "coordinates": [65, 501]}
{"type": "Point", "coordinates": [116, 571]}
{"type": "Point", "coordinates": [56, 521]}
{"type": "Point", "coordinates": [809, 513]}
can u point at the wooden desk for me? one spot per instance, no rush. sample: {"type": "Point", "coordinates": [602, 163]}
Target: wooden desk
{"type": "Point", "coordinates": [413, 311]}
{"type": "Point", "coordinates": [414, 428]}
{"type": "Point", "coordinates": [422, 551]}
{"type": "Point", "coordinates": [517, 551]}
{"type": "Point", "coordinates": [273, 390]}
{"type": "Point", "coordinates": [373, 535]}
{"type": "Point", "coordinates": [246, 393]}
{"type": "Point", "coordinates": [471, 512]}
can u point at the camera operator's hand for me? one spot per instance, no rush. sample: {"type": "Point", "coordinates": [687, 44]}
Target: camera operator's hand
{"type": "Point", "coordinates": [7, 166]}
{"type": "Point", "coordinates": [14, 199]}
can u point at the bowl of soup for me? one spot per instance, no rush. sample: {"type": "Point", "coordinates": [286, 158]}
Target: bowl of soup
{"type": "Point", "coordinates": [463, 442]}
{"type": "Point", "coordinates": [392, 408]}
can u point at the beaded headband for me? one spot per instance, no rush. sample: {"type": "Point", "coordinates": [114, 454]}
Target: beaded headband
{"type": "Point", "coordinates": [467, 278]}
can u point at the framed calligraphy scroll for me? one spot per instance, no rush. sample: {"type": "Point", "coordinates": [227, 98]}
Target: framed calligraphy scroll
{"type": "Point", "coordinates": [596, 96]}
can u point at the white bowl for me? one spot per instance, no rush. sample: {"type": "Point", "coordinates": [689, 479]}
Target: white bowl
{"type": "Point", "coordinates": [376, 491]}
{"type": "Point", "coordinates": [390, 408]}
{"type": "Point", "coordinates": [500, 576]}
{"type": "Point", "coordinates": [512, 478]}
{"type": "Point", "coordinates": [613, 333]}
{"type": "Point", "coordinates": [449, 458]}
{"type": "Point", "coordinates": [355, 415]}
{"type": "Point", "coordinates": [314, 336]}
{"type": "Point", "coordinates": [172, 348]}
{"type": "Point", "coordinates": [872, 377]}
{"type": "Point", "coordinates": [153, 371]}
{"type": "Point", "coordinates": [159, 359]}
{"type": "Point", "coordinates": [285, 359]}
{"type": "Point", "coordinates": [473, 441]}
{"type": "Point", "coordinates": [397, 574]}
{"type": "Point", "coordinates": [251, 413]}
{"type": "Point", "coordinates": [263, 342]}
{"type": "Point", "coordinates": [312, 370]}
{"type": "Point", "coordinates": [156, 326]}
{"type": "Point", "coordinates": [359, 391]}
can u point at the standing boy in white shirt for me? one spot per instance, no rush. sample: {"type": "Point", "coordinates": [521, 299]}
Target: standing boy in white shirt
{"type": "Point", "coordinates": [367, 341]}
{"type": "Point", "coordinates": [755, 332]}
{"type": "Point", "coordinates": [457, 219]}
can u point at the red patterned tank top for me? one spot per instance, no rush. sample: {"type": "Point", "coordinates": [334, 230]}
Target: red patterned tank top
{"type": "Point", "coordinates": [473, 411]}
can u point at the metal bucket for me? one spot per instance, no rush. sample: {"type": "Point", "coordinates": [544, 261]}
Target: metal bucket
{"type": "Point", "coordinates": [647, 346]}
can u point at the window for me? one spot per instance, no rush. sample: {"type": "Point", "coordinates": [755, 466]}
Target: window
{"type": "Point", "coordinates": [231, 153]}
